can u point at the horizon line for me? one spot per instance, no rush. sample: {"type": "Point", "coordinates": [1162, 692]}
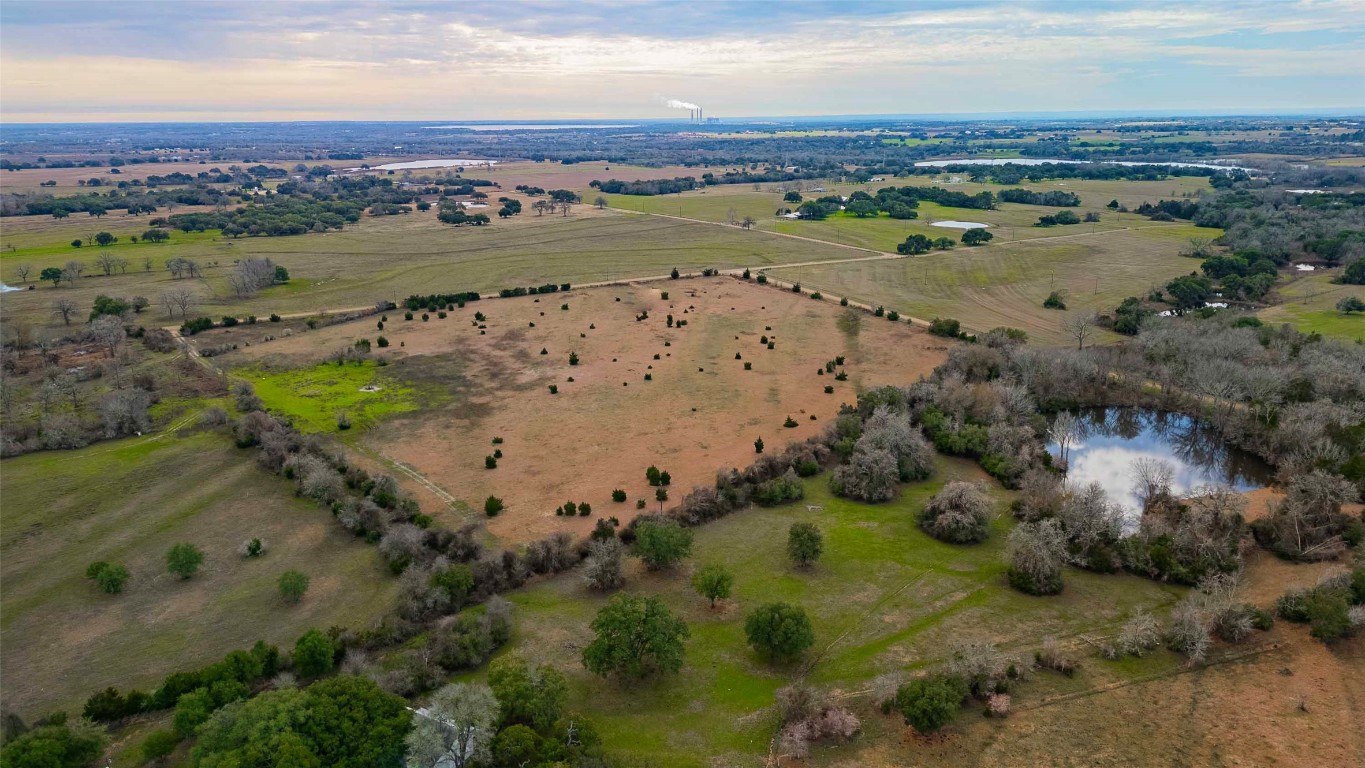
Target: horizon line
{"type": "Point", "coordinates": [1355, 111]}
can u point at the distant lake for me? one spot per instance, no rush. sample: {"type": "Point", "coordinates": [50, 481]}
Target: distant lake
{"type": "Point", "coordinates": [414, 164]}
{"type": "Point", "coordinates": [1042, 161]}
{"type": "Point", "coordinates": [1113, 438]}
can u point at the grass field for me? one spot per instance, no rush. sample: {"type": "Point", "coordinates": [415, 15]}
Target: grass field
{"type": "Point", "coordinates": [472, 381]}
{"type": "Point", "coordinates": [1308, 302]}
{"type": "Point", "coordinates": [316, 394]}
{"type": "Point", "coordinates": [128, 502]}
{"type": "Point", "coordinates": [886, 598]}
{"type": "Point", "coordinates": [715, 204]}
{"type": "Point", "coordinates": [391, 257]}
{"type": "Point", "coordinates": [1005, 284]}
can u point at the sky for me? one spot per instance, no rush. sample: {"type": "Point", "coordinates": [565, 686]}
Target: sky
{"type": "Point", "coordinates": [202, 60]}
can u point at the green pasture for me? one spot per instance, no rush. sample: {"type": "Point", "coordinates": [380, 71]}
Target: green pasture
{"type": "Point", "coordinates": [127, 502]}
{"type": "Point", "coordinates": [312, 397]}
{"type": "Point", "coordinates": [885, 598]}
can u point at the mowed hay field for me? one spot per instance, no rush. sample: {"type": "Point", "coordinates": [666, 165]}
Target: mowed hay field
{"type": "Point", "coordinates": [394, 256]}
{"type": "Point", "coordinates": [128, 502]}
{"type": "Point", "coordinates": [1005, 284]}
{"type": "Point", "coordinates": [886, 598]}
{"type": "Point", "coordinates": [701, 411]}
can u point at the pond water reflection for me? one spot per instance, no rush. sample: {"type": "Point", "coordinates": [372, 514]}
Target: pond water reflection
{"type": "Point", "coordinates": [1109, 440]}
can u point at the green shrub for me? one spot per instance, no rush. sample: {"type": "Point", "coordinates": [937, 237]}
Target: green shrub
{"type": "Point", "coordinates": [159, 744]}
{"type": "Point", "coordinates": [110, 577]}
{"type": "Point", "coordinates": [1328, 615]}
{"type": "Point", "coordinates": [946, 327]}
{"type": "Point", "coordinates": [779, 631]}
{"type": "Point", "coordinates": [492, 506]}
{"type": "Point", "coordinates": [929, 703]}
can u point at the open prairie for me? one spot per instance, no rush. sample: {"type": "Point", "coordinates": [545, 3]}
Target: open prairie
{"type": "Point", "coordinates": [391, 257]}
{"type": "Point", "coordinates": [701, 408]}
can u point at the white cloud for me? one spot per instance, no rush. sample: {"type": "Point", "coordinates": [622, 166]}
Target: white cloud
{"type": "Point", "coordinates": [351, 61]}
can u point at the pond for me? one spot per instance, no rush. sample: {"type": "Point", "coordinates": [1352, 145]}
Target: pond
{"type": "Point", "coordinates": [1109, 440]}
{"type": "Point", "coordinates": [951, 224]}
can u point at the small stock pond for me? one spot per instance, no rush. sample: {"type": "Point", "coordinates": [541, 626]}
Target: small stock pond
{"type": "Point", "coordinates": [1108, 441]}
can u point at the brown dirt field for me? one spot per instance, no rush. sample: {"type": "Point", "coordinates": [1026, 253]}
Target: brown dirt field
{"type": "Point", "coordinates": [701, 412]}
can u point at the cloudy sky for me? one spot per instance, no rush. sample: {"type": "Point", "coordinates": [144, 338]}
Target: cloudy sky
{"type": "Point", "coordinates": [69, 60]}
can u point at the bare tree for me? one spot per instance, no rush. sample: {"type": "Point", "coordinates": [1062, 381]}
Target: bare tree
{"type": "Point", "coordinates": [1080, 327]}
{"type": "Point", "coordinates": [748, 222]}
{"type": "Point", "coordinates": [107, 331]}
{"type": "Point", "coordinates": [59, 385]}
{"type": "Point", "coordinates": [179, 299]}
{"type": "Point", "coordinates": [1035, 553]}
{"type": "Point", "coordinates": [564, 207]}
{"type": "Point", "coordinates": [147, 264]}
{"type": "Point", "coordinates": [1153, 478]}
{"type": "Point", "coordinates": [125, 412]}
{"type": "Point", "coordinates": [121, 264]}
{"type": "Point", "coordinates": [251, 275]}
{"type": "Point", "coordinates": [600, 202]}
{"type": "Point", "coordinates": [603, 570]}
{"type": "Point", "coordinates": [1199, 247]}
{"type": "Point", "coordinates": [64, 307]}
{"type": "Point", "coordinates": [23, 271]}
{"type": "Point", "coordinates": [106, 262]}
{"type": "Point", "coordinates": [732, 216]}
{"type": "Point", "coordinates": [72, 271]}
{"type": "Point", "coordinates": [1065, 431]}
{"type": "Point", "coordinates": [179, 266]}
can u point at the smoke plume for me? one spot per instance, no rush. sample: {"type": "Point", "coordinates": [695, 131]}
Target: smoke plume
{"type": "Point", "coordinates": [675, 104]}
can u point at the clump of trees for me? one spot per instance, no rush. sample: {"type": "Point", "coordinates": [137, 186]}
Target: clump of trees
{"type": "Point", "coordinates": [882, 450]}
{"type": "Point", "coordinates": [1308, 523]}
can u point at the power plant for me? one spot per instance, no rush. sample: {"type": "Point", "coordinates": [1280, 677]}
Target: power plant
{"type": "Point", "coordinates": [694, 111]}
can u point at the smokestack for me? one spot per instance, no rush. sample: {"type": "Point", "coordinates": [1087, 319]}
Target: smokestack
{"type": "Point", "coordinates": [699, 118]}
{"type": "Point", "coordinates": [693, 111]}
